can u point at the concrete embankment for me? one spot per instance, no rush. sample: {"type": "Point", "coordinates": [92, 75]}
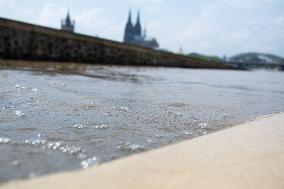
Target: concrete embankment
{"type": "Point", "coordinates": [250, 155]}
{"type": "Point", "coordinates": [22, 41]}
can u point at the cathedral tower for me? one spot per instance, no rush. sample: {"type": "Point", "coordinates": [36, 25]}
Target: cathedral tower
{"type": "Point", "coordinates": [129, 30]}
{"type": "Point", "coordinates": [137, 28]}
{"type": "Point", "coordinates": [133, 34]}
{"type": "Point", "coordinates": [67, 24]}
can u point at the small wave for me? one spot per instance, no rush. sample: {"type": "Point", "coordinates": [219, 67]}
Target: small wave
{"type": "Point", "coordinates": [35, 90]}
{"type": "Point", "coordinates": [54, 146]}
{"type": "Point", "coordinates": [125, 109]}
{"type": "Point", "coordinates": [91, 161]}
{"type": "Point", "coordinates": [18, 86]}
{"type": "Point", "coordinates": [131, 147]}
{"type": "Point", "coordinates": [203, 125]}
{"type": "Point", "coordinates": [101, 126]}
{"type": "Point", "coordinates": [4, 140]}
{"type": "Point", "coordinates": [19, 113]}
{"type": "Point", "coordinates": [186, 133]}
{"type": "Point", "coordinates": [79, 126]}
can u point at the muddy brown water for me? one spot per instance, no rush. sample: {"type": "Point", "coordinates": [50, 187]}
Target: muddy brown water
{"type": "Point", "coordinates": [59, 117]}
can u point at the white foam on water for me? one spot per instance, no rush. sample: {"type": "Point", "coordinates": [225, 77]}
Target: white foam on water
{"type": "Point", "coordinates": [56, 146]}
{"type": "Point", "coordinates": [35, 90]}
{"type": "Point", "coordinates": [186, 133]}
{"type": "Point", "coordinates": [18, 86]}
{"type": "Point", "coordinates": [202, 125]}
{"type": "Point", "coordinates": [79, 126]}
{"type": "Point", "coordinates": [19, 113]}
{"type": "Point", "coordinates": [131, 147]}
{"type": "Point", "coordinates": [91, 161]}
{"type": "Point", "coordinates": [124, 109]}
{"type": "Point", "coordinates": [101, 126]}
{"type": "Point", "coordinates": [159, 136]}
{"type": "Point", "coordinates": [4, 140]}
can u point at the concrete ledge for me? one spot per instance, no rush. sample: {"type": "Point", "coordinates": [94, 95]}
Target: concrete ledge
{"type": "Point", "coordinates": [250, 155]}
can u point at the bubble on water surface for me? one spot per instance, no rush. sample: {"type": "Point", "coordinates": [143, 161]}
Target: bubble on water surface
{"type": "Point", "coordinates": [56, 146]}
{"type": "Point", "coordinates": [91, 161]}
{"type": "Point", "coordinates": [4, 140]}
{"type": "Point", "coordinates": [159, 136]}
{"type": "Point", "coordinates": [19, 113]}
{"type": "Point", "coordinates": [79, 126]}
{"type": "Point", "coordinates": [203, 125]}
{"type": "Point", "coordinates": [18, 86]}
{"type": "Point", "coordinates": [131, 147]}
{"type": "Point", "coordinates": [53, 145]}
{"type": "Point", "coordinates": [125, 109]}
{"type": "Point", "coordinates": [174, 113]}
{"type": "Point", "coordinates": [108, 114]}
{"type": "Point", "coordinates": [195, 119]}
{"type": "Point", "coordinates": [34, 142]}
{"type": "Point", "coordinates": [35, 90]}
{"type": "Point", "coordinates": [101, 126]}
{"type": "Point", "coordinates": [186, 133]}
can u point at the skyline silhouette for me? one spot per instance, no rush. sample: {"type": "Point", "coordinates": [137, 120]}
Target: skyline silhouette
{"type": "Point", "coordinates": [218, 27]}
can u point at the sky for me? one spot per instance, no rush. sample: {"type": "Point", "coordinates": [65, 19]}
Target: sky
{"type": "Point", "coordinates": [212, 27]}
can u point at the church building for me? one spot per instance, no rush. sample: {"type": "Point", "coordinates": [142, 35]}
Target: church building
{"type": "Point", "coordinates": [133, 34]}
{"type": "Point", "coordinates": [67, 24]}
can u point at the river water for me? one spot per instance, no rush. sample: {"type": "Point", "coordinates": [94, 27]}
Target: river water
{"type": "Point", "coordinates": [56, 117]}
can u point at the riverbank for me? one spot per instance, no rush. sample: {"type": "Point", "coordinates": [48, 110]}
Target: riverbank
{"type": "Point", "coordinates": [23, 41]}
{"type": "Point", "coordinates": [250, 155]}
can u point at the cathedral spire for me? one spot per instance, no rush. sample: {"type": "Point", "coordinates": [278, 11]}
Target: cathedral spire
{"type": "Point", "coordinates": [67, 24]}
{"type": "Point", "coordinates": [138, 18]}
{"type": "Point", "coordinates": [68, 20]}
{"type": "Point", "coordinates": [138, 28]}
{"type": "Point", "coordinates": [129, 29]}
{"type": "Point", "coordinates": [145, 31]}
{"type": "Point", "coordinates": [129, 17]}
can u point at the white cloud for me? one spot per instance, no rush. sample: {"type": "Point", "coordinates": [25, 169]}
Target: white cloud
{"type": "Point", "coordinates": [50, 15]}
{"type": "Point", "coordinates": [149, 1]}
{"type": "Point", "coordinates": [228, 27]}
{"type": "Point", "coordinates": [7, 3]}
{"type": "Point", "coordinates": [279, 21]}
{"type": "Point", "coordinates": [150, 5]}
{"type": "Point", "coordinates": [94, 22]}
{"type": "Point", "coordinates": [247, 3]}
{"type": "Point", "coordinates": [90, 17]}
{"type": "Point", "coordinates": [154, 26]}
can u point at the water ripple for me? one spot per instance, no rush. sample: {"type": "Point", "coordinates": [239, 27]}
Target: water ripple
{"type": "Point", "coordinates": [131, 147]}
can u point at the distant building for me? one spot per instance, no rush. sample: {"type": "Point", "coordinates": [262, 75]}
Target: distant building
{"type": "Point", "coordinates": [133, 34]}
{"type": "Point", "coordinates": [67, 24]}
